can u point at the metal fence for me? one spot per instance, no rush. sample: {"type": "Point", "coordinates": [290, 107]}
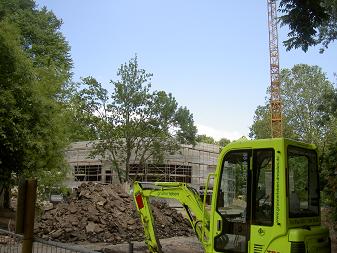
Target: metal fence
{"type": "Point", "coordinates": [43, 246]}
{"type": "Point", "coordinates": [12, 243]}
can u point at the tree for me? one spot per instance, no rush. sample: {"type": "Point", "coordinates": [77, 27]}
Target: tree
{"type": "Point", "coordinates": [311, 22]}
{"type": "Point", "coordinates": [222, 143]}
{"type": "Point", "coordinates": [329, 157]}
{"type": "Point", "coordinates": [261, 128]}
{"type": "Point", "coordinates": [8, 8]}
{"type": "Point", "coordinates": [329, 106]}
{"type": "Point", "coordinates": [79, 113]}
{"type": "Point", "coordinates": [302, 90]}
{"type": "Point", "coordinates": [35, 64]}
{"type": "Point", "coordinates": [134, 124]}
{"type": "Point", "coordinates": [15, 75]}
{"type": "Point", "coordinates": [205, 139]}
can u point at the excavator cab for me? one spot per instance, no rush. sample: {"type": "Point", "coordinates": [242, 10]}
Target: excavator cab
{"type": "Point", "coordinates": [265, 198]}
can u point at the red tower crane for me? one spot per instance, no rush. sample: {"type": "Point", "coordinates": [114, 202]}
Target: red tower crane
{"type": "Point", "coordinates": [275, 94]}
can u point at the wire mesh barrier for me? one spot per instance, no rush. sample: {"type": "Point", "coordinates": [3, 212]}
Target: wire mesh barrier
{"type": "Point", "coordinates": [12, 243]}
{"type": "Point", "coordinates": [43, 246]}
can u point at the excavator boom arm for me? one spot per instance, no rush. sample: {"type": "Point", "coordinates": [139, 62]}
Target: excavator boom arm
{"type": "Point", "coordinates": [187, 196]}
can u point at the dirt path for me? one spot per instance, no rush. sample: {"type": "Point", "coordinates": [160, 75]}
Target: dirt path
{"type": "Point", "coordinates": [170, 245]}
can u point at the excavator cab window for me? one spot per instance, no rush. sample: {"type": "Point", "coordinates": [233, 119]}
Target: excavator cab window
{"type": "Point", "coordinates": [262, 192]}
{"type": "Point", "coordinates": [303, 183]}
{"type": "Point", "coordinates": [245, 197]}
{"type": "Point", "coordinates": [232, 202]}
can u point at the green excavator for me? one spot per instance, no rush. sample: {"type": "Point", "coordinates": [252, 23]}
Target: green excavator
{"type": "Point", "coordinates": [265, 198]}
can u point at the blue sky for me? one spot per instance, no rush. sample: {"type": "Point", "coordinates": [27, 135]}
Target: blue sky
{"type": "Point", "coordinates": [211, 55]}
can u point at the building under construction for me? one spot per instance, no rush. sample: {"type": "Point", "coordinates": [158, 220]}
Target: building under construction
{"type": "Point", "coordinates": [191, 164]}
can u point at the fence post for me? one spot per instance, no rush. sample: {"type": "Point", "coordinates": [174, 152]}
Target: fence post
{"type": "Point", "coordinates": [130, 247]}
{"type": "Point", "coordinates": [20, 206]}
{"type": "Point", "coordinates": [29, 215]}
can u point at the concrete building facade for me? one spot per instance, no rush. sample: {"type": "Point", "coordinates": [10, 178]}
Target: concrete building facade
{"type": "Point", "coordinates": [191, 164]}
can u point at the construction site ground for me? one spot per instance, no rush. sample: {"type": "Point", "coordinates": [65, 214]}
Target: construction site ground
{"type": "Point", "coordinates": [181, 244]}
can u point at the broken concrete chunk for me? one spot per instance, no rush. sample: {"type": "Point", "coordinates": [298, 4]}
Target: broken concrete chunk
{"type": "Point", "coordinates": [103, 213]}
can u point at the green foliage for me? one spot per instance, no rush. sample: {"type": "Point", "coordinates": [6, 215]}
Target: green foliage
{"type": "Point", "coordinates": [11, 7]}
{"type": "Point", "coordinates": [329, 106]}
{"type": "Point", "coordinates": [298, 170]}
{"type": "Point", "coordinates": [80, 108]}
{"type": "Point", "coordinates": [205, 139]}
{"type": "Point", "coordinates": [133, 124]}
{"type": "Point", "coordinates": [302, 90]}
{"type": "Point", "coordinates": [311, 23]}
{"type": "Point", "coordinates": [329, 178]}
{"type": "Point", "coordinates": [240, 179]}
{"type": "Point", "coordinates": [329, 157]}
{"type": "Point", "coordinates": [34, 65]}
{"type": "Point", "coordinates": [16, 77]}
{"type": "Point", "coordinates": [223, 142]}
{"type": "Point", "coordinates": [261, 128]}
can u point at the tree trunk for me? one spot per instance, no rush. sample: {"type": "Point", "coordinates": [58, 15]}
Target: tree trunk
{"type": "Point", "coordinates": [2, 195]}
{"type": "Point", "coordinates": [5, 197]}
{"type": "Point", "coordinates": [127, 160]}
{"type": "Point", "coordinates": [118, 170]}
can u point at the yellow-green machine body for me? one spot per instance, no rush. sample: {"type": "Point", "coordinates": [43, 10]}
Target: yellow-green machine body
{"type": "Point", "coordinates": [265, 198]}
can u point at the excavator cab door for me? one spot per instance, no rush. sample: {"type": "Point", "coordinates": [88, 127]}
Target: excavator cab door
{"type": "Point", "coordinates": [245, 198]}
{"type": "Point", "coordinates": [232, 202]}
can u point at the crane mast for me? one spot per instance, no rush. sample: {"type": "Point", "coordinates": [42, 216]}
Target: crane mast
{"type": "Point", "coordinates": [275, 94]}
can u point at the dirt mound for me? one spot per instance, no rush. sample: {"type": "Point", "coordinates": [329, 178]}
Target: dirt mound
{"type": "Point", "coordinates": [104, 213]}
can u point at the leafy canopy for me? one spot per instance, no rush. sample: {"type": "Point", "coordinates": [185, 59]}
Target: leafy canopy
{"type": "Point", "coordinates": [133, 123]}
{"type": "Point", "coordinates": [302, 90]}
{"type": "Point", "coordinates": [311, 22]}
{"type": "Point", "coordinates": [34, 66]}
{"type": "Point", "coordinates": [205, 139]}
{"type": "Point", "coordinates": [329, 157]}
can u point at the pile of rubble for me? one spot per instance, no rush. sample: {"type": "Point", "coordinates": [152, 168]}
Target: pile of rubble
{"type": "Point", "coordinates": [105, 213]}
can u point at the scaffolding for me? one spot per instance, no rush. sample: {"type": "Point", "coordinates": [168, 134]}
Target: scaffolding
{"type": "Point", "coordinates": [88, 172]}
{"type": "Point", "coordinates": [170, 171]}
{"type": "Point", "coordinates": [191, 164]}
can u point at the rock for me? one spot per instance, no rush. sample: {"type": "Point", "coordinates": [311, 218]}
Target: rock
{"type": "Point", "coordinates": [101, 203]}
{"type": "Point", "coordinates": [72, 208]}
{"type": "Point", "coordinates": [48, 206]}
{"type": "Point", "coordinates": [123, 195]}
{"type": "Point", "coordinates": [104, 213]}
{"type": "Point", "coordinates": [56, 234]}
{"type": "Point", "coordinates": [68, 230]}
{"type": "Point", "coordinates": [90, 228]}
{"type": "Point", "coordinates": [131, 221]}
{"type": "Point", "coordinates": [98, 229]}
{"type": "Point", "coordinates": [121, 208]}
